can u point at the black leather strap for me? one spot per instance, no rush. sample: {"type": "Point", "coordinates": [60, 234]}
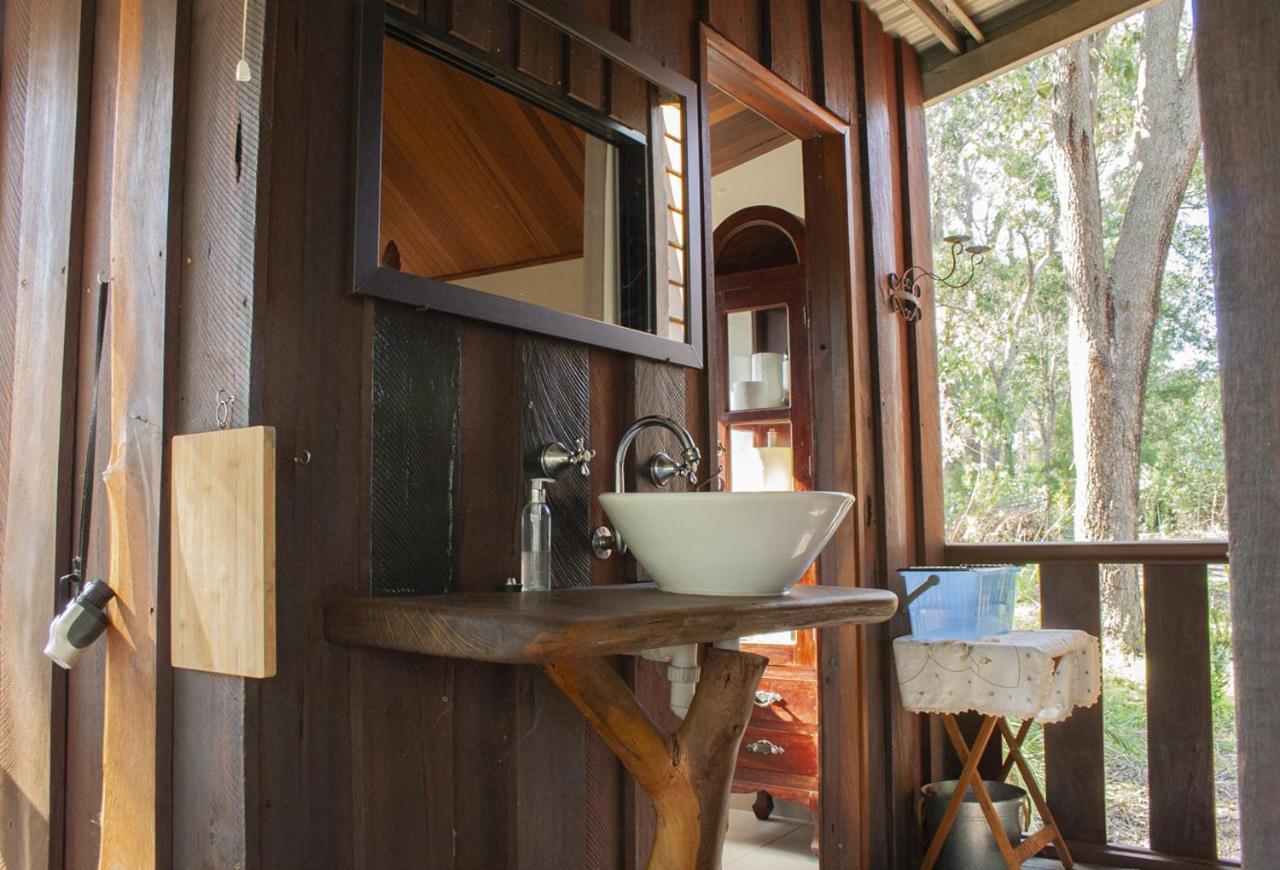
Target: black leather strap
{"type": "Point", "coordinates": [70, 585]}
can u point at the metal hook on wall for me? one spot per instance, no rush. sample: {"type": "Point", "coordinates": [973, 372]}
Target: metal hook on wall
{"type": "Point", "coordinates": [222, 412]}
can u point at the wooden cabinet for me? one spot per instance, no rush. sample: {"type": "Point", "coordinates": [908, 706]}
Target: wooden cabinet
{"type": "Point", "coordinates": [760, 379]}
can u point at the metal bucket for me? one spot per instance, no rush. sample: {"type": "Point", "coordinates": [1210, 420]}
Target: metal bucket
{"type": "Point", "coordinates": [971, 845]}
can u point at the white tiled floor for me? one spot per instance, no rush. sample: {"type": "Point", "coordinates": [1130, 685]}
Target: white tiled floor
{"type": "Point", "coordinates": [778, 844]}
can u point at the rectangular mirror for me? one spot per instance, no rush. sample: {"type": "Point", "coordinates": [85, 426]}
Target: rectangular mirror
{"type": "Point", "coordinates": [531, 169]}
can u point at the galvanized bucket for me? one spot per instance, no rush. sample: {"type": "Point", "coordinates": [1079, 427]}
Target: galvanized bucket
{"type": "Point", "coordinates": [971, 845]}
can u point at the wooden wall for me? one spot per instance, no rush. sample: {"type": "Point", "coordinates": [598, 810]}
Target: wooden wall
{"type": "Point", "coordinates": [1240, 121]}
{"type": "Point", "coordinates": [43, 73]}
{"type": "Point", "coordinates": [352, 758]}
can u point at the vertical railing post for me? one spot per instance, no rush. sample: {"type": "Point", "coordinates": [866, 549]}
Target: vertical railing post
{"type": "Point", "coordinates": [1179, 711]}
{"type": "Point", "coordinates": [1074, 774]}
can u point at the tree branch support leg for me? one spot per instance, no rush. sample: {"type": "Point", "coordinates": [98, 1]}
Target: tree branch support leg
{"type": "Point", "coordinates": [687, 775]}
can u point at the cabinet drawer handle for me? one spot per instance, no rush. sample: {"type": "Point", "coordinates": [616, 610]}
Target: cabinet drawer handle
{"type": "Point", "coordinates": [765, 747]}
{"type": "Point", "coordinates": [767, 699]}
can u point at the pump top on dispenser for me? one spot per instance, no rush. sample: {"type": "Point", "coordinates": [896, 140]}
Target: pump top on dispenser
{"type": "Point", "coordinates": [535, 539]}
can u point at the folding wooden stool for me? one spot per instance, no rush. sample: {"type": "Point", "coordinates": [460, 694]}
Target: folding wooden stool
{"type": "Point", "coordinates": [971, 778]}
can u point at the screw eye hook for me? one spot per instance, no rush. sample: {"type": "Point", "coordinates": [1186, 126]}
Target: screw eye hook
{"type": "Point", "coordinates": [222, 411]}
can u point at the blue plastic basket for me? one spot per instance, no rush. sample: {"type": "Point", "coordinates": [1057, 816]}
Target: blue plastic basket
{"type": "Point", "coordinates": [967, 602]}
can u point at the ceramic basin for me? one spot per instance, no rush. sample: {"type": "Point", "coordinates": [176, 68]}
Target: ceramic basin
{"type": "Point", "coordinates": [726, 543]}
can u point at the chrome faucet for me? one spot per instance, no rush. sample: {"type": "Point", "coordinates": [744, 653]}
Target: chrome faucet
{"type": "Point", "coordinates": [661, 468]}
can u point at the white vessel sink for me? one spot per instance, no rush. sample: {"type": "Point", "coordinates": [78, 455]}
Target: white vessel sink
{"type": "Point", "coordinates": [726, 543]}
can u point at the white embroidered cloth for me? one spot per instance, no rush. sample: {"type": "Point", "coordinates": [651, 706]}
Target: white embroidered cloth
{"type": "Point", "coordinates": [1023, 674]}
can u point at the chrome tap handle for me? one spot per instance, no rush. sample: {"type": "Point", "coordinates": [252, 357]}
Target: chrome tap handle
{"type": "Point", "coordinates": [662, 468]}
{"type": "Point", "coordinates": [582, 456]}
{"type": "Point", "coordinates": [555, 458]}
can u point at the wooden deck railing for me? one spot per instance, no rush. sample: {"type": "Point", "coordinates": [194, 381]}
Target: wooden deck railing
{"type": "Point", "coordinates": [1180, 776]}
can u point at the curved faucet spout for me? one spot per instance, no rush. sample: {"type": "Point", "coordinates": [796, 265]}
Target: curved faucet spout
{"type": "Point", "coordinates": [690, 455]}
{"type": "Point", "coordinates": [662, 468]}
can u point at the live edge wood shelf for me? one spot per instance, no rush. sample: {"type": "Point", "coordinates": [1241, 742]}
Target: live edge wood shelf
{"type": "Point", "coordinates": [569, 632]}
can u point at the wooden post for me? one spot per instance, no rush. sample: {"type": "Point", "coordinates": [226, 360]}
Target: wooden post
{"type": "Point", "coordinates": [1236, 44]}
{"type": "Point", "coordinates": [687, 774]}
{"type": "Point", "coordinates": [136, 731]}
{"type": "Point", "coordinates": [42, 68]}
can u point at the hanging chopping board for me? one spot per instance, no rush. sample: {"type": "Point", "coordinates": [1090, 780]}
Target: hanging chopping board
{"type": "Point", "coordinates": [223, 551]}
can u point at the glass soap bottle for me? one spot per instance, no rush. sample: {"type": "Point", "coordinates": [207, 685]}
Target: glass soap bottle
{"type": "Point", "coordinates": [535, 539]}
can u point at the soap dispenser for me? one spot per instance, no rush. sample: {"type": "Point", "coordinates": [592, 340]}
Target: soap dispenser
{"type": "Point", "coordinates": [535, 539]}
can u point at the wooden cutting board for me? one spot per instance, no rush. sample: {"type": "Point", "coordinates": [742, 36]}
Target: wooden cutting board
{"type": "Point", "coordinates": [223, 552]}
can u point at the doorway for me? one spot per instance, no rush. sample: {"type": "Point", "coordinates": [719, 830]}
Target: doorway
{"type": "Point", "coordinates": [780, 351]}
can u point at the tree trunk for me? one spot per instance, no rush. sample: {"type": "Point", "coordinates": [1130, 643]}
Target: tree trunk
{"type": "Point", "coordinates": [1113, 311]}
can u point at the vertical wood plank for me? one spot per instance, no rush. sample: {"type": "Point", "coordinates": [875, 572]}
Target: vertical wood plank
{"type": "Point", "coordinates": [486, 814]}
{"type": "Point", "coordinates": [403, 777]}
{"type": "Point", "coordinates": [606, 780]}
{"type": "Point", "coordinates": [550, 752]}
{"type": "Point", "coordinates": [48, 82]}
{"type": "Point", "coordinates": [742, 22]}
{"type": "Point", "coordinates": [836, 359]}
{"type": "Point", "coordinates": [892, 424]}
{"type": "Point", "coordinates": [922, 373]}
{"type": "Point", "coordinates": [609, 375]}
{"type": "Point", "coordinates": [922, 339]}
{"type": "Point", "coordinates": [312, 355]}
{"type": "Point", "coordinates": [539, 49]}
{"type": "Point", "coordinates": [790, 41]}
{"type": "Point", "coordinates": [491, 444]}
{"type": "Point", "coordinates": [665, 30]}
{"type": "Point", "coordinates": [486, 24]}
{"type": "Point", "coordinates": [1179, 711]}
{"type": "Point", "coordinates": [835, 44]}
{"type": "Point", "coordinates": [136, 805]}
{"type": "Point", "coordinates": [1074, 777]}
{"type": "Point", "coordinates": [214, 347]}
{"type": "Point", "coordinates": [586, 65]}
{"type": "Point", "coordinates": [85, 683]}
{"type": "Point", "coordinates": [13, 95]}
{"type": "Point", "coordinates": [1244, 221]}
{"type": "Point", "coordinates": [555, 405]}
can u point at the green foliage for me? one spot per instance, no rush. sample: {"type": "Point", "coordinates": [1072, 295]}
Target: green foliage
{"type": "Point", "coordinates": [1006, 401]}
{"type": "Point", "coordinates": [1006, 404]}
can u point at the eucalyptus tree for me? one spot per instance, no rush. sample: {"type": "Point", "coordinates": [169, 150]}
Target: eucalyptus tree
{"type": "Point", "coordinates": [1114, 275]}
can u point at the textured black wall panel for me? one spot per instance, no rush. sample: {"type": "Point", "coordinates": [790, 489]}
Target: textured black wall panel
{"type": "Point", "coordinates": [414, 500]}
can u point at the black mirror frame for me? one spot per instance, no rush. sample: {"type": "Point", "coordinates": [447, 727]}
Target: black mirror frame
{"type": "Point", "coordinates": [370, 278]}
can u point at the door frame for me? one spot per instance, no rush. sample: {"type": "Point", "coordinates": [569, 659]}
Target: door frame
{"type": "Point", "coordinates": [841, 416]}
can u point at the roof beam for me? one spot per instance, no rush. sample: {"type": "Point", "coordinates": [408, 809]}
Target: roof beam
{"type": "Point", "coordinates": [966, 21]}
{"type": "Point", "coordinates": [1019, 37]}
{"type": "Point", "coordinates": [937, 23]}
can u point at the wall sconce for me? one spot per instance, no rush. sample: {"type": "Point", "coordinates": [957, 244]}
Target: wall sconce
{"type": "Point", "coordinates": [904, 289]}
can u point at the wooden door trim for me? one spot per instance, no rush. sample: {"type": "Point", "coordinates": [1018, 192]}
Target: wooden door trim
{"type": "Point", "coordinates": [748, 81]}
{"type": "Point", "coordinates": [841, 460]}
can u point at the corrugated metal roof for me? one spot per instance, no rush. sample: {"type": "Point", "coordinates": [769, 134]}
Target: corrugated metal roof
{"type": "Point", "coordinates": [899, 19]}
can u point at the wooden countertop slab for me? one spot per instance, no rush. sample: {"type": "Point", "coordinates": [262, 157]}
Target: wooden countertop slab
{"type": "Point", "coordinates": [536, 627]}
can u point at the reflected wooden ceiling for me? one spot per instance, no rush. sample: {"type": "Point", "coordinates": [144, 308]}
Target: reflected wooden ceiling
{"type": "Point", "coordinates": [737, 133]}
{"type": "Point", "coordinates": [506, 177]}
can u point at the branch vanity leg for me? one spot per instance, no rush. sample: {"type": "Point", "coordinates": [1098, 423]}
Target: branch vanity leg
{"type": "Point", "coordinates": [687, 774]}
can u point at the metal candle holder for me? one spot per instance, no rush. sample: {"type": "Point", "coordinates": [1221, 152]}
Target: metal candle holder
{"type": "Point", "coordinates": [905, 290]}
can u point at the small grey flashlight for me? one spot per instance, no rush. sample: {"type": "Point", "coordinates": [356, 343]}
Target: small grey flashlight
{"type": "Point", "coordinates": [79, 624]}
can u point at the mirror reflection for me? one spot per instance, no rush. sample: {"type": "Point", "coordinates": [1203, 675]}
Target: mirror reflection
{"type": "Point", "coordinates": [547, 185]}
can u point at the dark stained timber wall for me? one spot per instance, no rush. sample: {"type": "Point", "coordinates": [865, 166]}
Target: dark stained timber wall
{"type": "Point", "coordinates": [401, 436]}
{"type": "Point", "coordinates": [558, 390]}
